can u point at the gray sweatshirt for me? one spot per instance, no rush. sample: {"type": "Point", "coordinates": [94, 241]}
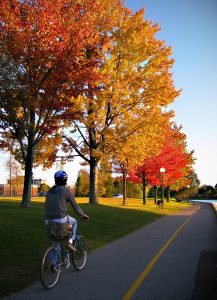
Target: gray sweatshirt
{"type": "Point", "coordinates": [56, 202]}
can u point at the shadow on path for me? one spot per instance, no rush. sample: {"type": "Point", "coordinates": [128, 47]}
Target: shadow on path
{"type": "Point", "coordinates": [206, 277]}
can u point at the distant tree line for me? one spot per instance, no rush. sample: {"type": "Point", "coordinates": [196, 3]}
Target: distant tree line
{"type": "Point", "coordinates": [109, 185]}
{"type": "Point", "coordinates": [207, 191]}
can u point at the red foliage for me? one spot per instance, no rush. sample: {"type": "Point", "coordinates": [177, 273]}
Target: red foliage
{"type": "Point", "coordinates": [172, 157]}
{"type": "Point", "coordinates": [47, 45]}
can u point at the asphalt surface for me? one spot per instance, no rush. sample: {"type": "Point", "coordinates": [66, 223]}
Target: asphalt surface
{"type": "Point", "coordinates": [206, 277]}
{"type": "Point", "coordinates": [112, 270]}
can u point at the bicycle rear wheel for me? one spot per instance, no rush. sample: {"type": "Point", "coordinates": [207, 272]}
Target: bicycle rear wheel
{"type": "Point", "coordinates": [50, 270]}
{"type": "Point", "coordinates": [79, 257]}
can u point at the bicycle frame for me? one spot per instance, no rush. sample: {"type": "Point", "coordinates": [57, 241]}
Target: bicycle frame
{"type": "Point", "coordinates": [59, 255]}
{"type": "Point", "coordinates": [60, 251]}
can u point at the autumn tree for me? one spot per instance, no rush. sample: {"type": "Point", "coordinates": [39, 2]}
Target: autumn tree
{"type": "Point", "coordinates": [180, 175]}
{"type": "Point", "coordinates": [45, 58]}
{"type": "Point", "coordinates": [187, 186]}
{"type": "Point", "coordinates": [141, 145]}
{"type": "Point", "coordinates": [190, 189]}
{"type": "Point", "coordinates": [135, 77]}
{"type": "Point", "coordinates": [174, 157]}
{"type": "Point", "coordinates": [105, 180]}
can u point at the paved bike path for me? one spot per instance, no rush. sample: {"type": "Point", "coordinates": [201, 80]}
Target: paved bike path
{"type": "Point", "coordinates": [112, 270]}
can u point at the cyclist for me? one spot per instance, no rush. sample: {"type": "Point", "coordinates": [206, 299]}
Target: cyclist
{"type": "Point", "coordinates": [56, 204]}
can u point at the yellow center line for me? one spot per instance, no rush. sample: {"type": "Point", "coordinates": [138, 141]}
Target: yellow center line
{"type": "Point", "coordinates": [145, 273]}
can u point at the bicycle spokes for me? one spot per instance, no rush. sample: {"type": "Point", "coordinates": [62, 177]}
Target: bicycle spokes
{"type": "Point", "coordinates": [50, 268]}
{"type": "Point", "coordinates": [79, 257]}
{"type": "Point", "coordinates": [57, 256]}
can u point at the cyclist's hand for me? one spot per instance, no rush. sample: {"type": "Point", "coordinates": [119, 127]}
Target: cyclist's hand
{"type": "Point", "coordinates": [86, 217]}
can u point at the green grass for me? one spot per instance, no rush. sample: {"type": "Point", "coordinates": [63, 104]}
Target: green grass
{"type": "Point", "coordinates": [23, 239]}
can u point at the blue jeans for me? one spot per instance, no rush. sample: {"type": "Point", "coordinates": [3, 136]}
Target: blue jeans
{"type": "Point", "coordinates": [74, 224]}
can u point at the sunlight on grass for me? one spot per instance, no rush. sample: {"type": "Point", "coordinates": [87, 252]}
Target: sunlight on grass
{"type": "Point", "coordinates": [132, 203]}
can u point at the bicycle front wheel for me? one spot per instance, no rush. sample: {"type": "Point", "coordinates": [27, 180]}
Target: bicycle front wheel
{"type": "Point", "coordinates": [50, 270]}
{"type": "Point", "coordinates": [79, 257]}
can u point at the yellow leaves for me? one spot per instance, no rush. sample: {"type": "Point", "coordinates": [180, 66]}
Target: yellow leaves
{"type": "Point", "coordinates": [146, 141]}
{"type": "Point", "coordinates": [77, 104]}
{"type": "Point", "coordinates": [96, 154]}
{"type": "Point", "coordinates": [20, 112]}
{"type": "Point", "coordinates": [46, 150]}
{"type": "Point", "coordinates": [120, 105]}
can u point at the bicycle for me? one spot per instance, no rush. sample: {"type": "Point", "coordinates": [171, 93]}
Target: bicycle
{"type": "Point", "coordinates": [57, 256]}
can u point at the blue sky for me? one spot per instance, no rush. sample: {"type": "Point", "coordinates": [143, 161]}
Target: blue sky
{"type": "Point", "coordinates": [189, 26]}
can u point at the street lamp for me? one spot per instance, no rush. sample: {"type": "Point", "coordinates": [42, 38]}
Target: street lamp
{"type": "Point", "coordinates": [188, 186]}
{"type": "Point", "coordinates": [162, 171]}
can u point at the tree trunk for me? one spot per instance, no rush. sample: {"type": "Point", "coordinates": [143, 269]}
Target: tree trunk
{"type": "Point", "coordinates": [93, 197]}
{"type": "Point", "coordinates": [155, 194]}
{"type": "Point", "coordinates": [10, 170]}
{"type": "Point", "coordinates": [162, 190]}
{"type": "Point", "coordinates": [168, 194]}
{"type": "Point", "coordinates": [144, 189]}
{"type": "Point", "coordinates": [124, 187]}
{"type": "Point", "coordinates": [26, 199]}
{"type": "Point", "coordinates": [28, 158]}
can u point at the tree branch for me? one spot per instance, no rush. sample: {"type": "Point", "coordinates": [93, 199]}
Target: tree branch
{"type": "Point", "coordinates": [71, 142]}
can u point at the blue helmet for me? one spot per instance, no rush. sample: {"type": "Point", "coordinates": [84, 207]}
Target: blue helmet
{"type": "Point", "coordinates": [61, 174]}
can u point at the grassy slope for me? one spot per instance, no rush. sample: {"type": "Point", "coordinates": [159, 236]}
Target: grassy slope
{"type": "Point", "coordinates": [23, 239]}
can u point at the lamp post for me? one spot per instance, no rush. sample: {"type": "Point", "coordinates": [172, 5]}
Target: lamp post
{"type": "Point", "coordinates": [188, 186]}
{"type": "Point", "coordinates": [162, 171]}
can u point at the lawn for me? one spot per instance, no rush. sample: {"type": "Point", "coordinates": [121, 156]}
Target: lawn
{"type": "Point", "coordinates": [23, 239]}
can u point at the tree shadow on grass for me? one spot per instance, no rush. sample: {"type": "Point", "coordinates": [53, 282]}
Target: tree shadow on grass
{"type": "Point", "coordinates": [109, 223]}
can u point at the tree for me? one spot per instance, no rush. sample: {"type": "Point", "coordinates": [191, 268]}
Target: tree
{"type": "Point", "coordinates": [105, 185]}
{"type": "Point", "coordinates": [109, 187]}
{"type": "Point", "coordinates": [118, 188]}
{"type": "Point", "coordinates": [139, 175]}
{"type": "Point", "coordinates": [174, 157]}
{"type": "Point", "coordinates": [194, 180]}
{"type": "Point", "coordinates": [135, 77]}
{"type": "Point", "coordinates": [45, 58]}
{"type": "Point", "coordinates": [82, 185]}
{"type": "Point", "coordinates": [132, 190]}
{"type": "Point", "coordinates": [15, 178]}
{"type": "Point", "coordinates": [142, 145]}
{"type": "Point", "coordinates": [105, 181]}
{"type": "Point", "coordinates": [79, 186]}
{"type": "Point", "coordinates": [207, 191]}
